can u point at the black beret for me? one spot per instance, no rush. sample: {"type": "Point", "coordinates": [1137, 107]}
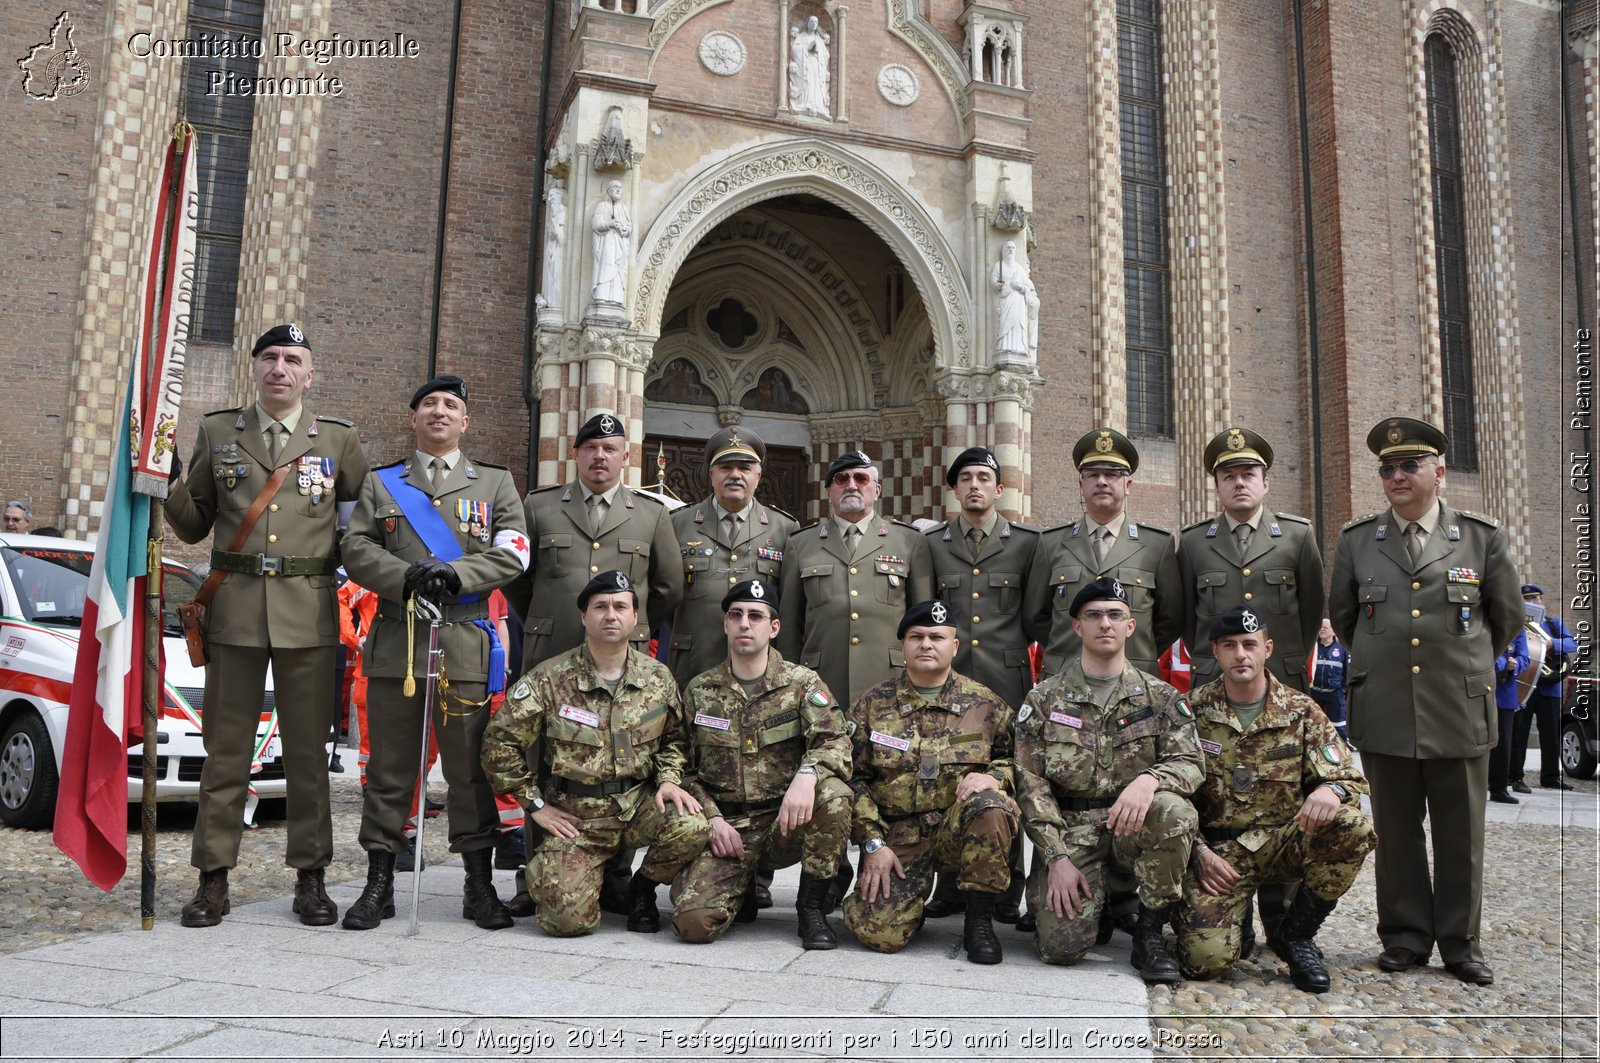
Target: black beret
{"type": "Point", "coordinates": [1104, 589]}
{"type": "Point", "coordinates": [453, 384]}
{"type": "Point", "coordinates": [612, 582]}
{"type": "Point", "coordinates": [850, 459]}
{"type": "Point", "coordinates": [1240, 620]}
{"type": "Point", "coordinates": [931, 613]}
{"type": "Point", "coordinates": [281, 336]}
{"type": "Point", "coordinates": [1406, 437]}
{"type": "Point", "coordinates": [972, 456]}
{"type": "Point", "coordinates": [735, 443]}
{"type": "Point", "coordinates": [600, 426]}
{"type": "Point", "coordinates": [752, 590]}
{"type": "Point", "coordinates": [1530, 589]}
{"type": "Point", "coordinates": [1106, 446]}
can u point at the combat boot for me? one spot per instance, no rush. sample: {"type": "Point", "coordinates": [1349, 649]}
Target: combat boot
{"type": "Point", "coordinates": [479, 901]}
{"type": "Point", "coordinates": [376, 902]}
{"type": "Point", "coordinates": [1247, 935]}
{"type": "Point", "coordinates": [210, 901]}
{"type": "Point", "coordinates": [946, 899]}
{"type": "Point", "coordinates": [815, 933]}
{"type": "Point", "coordinates": [1295, 940]}
{"type": "Point", "coordinates": [311, 901]}
{"type": "Point", "coordinates": [977, 935]}
{"type": "Point", "coordinates": [1150, 952]}
{"type": "Point", "coordinates": [643, 915]}
{"type": "Point", "coordinates": [839, 885]}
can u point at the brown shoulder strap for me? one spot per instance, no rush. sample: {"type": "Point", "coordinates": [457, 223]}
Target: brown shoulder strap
{"type": "Point", "coordinates": [208, 589]}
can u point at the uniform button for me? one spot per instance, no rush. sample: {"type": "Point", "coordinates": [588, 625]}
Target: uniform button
{"type": "Point", "coordinates": [1416, 613]}
{"type": "Point", "coordinates": [273, 508]}
{"type": "Point", "coordinates": [977, 620]}
{"type": "Point", "coordinates": [596, 545]}
{"type": "Point", "coordinates": [1416, 642]}
{"type": "Point", "coordinates": [975, 572]}
{"type": "Point", "coordinates": [1248, 596]}
{"type": "Point", "coordinates": [272, 538]}
{"type": "Point", "coordinates": [594, 568]}
{"type": "Point", "coordinates": [854, 641]}
{"type": "Point", "coordinates": [974, 642]}
{"type": "Point", "coordinates": [733, 557]}
{"type": "Point", "coordinates": [855, 616]}
{"type": "Point", "coordinates": [1416, 668]}
{"type": "Point", "coordinates": [1136, 579]}
{"type": "Point", "coordinates": [854, 593]}
{"type": "Point", "coordinates": [852, 570]}
{"type": "Point", "coordinates": [732, 580]}
{"type": "Point", "coordinates": [1247, 572]}
{"type": "Point", "coordinates": [974, 595]}
{"type": "Point", "coordinates": [1416, 586]}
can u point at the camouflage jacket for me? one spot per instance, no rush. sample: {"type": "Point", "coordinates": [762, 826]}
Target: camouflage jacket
{"type": "Point", "coordinates": [746, 749]}
{"type": "Point", "coordinates": [909, 754]}
{"type": "Point", "coordinates": [1257, 779]}
{"type": "Point", "coordinates": [584, 733]}
{"type": "Point", "coordinates": [1069, 749]}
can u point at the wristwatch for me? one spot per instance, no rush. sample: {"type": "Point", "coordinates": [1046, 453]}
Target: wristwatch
{"type": "Point", "coordinates": [872, 846]}
{"type": "Point", "coordinates": [807, 769]}
{"type": "Point", "coordinates": [1337, 789]}
{"type": "Point", "coordinates": [536, 804]}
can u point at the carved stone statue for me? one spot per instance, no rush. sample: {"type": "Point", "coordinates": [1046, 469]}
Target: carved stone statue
{"type": "Point", "coordinates": [555, 232]}
{"type": "Point", "coordinates": [1016, 306]}
{"type": "Point", "coordinates": [809, 72]}
{"type": "Point", "coordinates": [612, 149]}
{"type": "Point", "coordinates": [613, 246]}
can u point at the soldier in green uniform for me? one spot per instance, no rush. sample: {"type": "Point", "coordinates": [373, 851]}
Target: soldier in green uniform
{"type": "Point", "coordinates": [985, 560]}
{"type": "Point", "coordinates": [1106, 760]}
{"type": "Point", "coordinates": [608, 726]}
{"type": "Point", "coordinates": [1248, 553]}
{"type": "Point", "coordinates": [726, 538]}
{"type": "Point", "coordinates": [1280, 803]}
{"type": "Point", "coordinates": [449, 528]}
{"type": "Point", "coordinates": [1426, 596]}
{"type": "Point", "coordinates": [847, 580]}
{"type": "Point", "coordinates": [580, 530]}
{"type": "Point", "coordinates": [932, 781]}
{"type": "Point", "coordinates": [276, 606]}
{"type": "Point", "coordinates": [1106, 541]}
{"type": "Point", "coordinates": [770, 765]}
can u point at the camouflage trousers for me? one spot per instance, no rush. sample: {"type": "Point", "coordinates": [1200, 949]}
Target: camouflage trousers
{"type": "Point", "coordinates": [1156, 854]}
{"type": "Point", "coordinates": [564, 875]}
{"type": "Point", "coordinates": [972, 840]}
{"type": "Point", "coordinates": [1328, 861]}
{"type": "Point", "coordinates": [709, 891]}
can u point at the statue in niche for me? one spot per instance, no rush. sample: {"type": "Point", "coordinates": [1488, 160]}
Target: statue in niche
{"type": "Point", "coordinates": [680, 382]}
{"type": "Point", "coordinates": [1016, 306]}
{"type": "Point", "coordinates": [809, 71]}
{"type": "Point", "coordinates": [774, 394]}
{"type": "Point", "coordinates": [613, 245]}
{"type": "Point", "coordinates": [555, 233]}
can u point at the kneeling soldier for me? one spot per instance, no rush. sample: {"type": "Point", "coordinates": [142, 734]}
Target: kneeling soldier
{"type": "Point", "coordinates": [931, 775]}
{"type": "Point", "coordinates": [611, 758]}
{"type": "Point", "coordinates": [769, 759]}
{"type": "Point", "coordinates": [1280, 803]}
{"type": "Point", "coordinates": [1106, 760]}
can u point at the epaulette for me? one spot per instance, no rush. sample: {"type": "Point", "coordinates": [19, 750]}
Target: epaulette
{"type": "Point", "coordinates": [1147, 526]}
{"type": "Point", "coordinates": [807, 527]}
{"type": "Point", "coordinates": [1203, 522]}
{"type": "Point", "coordinates": [335, 420]}
{"type": "Point", "coordinates": [1479, 517]}
{"type": "Point", "coordinates": [230, 409]}
{"type": "Point", "coordinates": [937, 529]}
{"type": "Point", "coordinates": [1359, 520]}
{"type": "Point", "coordinates": [1061, 527]}
{"type": "Point", "coordinates": [546, 487]}
{"type": "Point", "coordinates": [392, 464]}
{"type": "Point", "coordinates": [489, 465]}
{"type": "Point", "coordinates": [1029, 528]}
{"type": "Point", "coordinates": [643, 497]}
{"type": "Point", "coordinates": [903, 524]}
{"type": "Point", "coordinates": [779, 510]}
{"type": "Point", "coordinates": [1297, 518]}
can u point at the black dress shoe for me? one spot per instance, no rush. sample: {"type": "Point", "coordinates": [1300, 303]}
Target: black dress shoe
{"type": "Point", "coordinates": [1559, 784]}
{"type": "Point", "coordinates": [1027, 924]}
{"type": "Point", "coordinates": [1521, 787]}
{"type": "Point", "coordinates": [1500, 797]}
{"type": "Point", "coordinates": [1399, 959]}
{"type": "Point", "coordinates": [1472, 972]}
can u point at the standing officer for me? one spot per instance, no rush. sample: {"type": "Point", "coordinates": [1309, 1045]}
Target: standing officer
{"type": "Point", "coordinates": [725, 539]}
{"type": "Point", "coordinates": [770, 766]}
{"type": "Point", "coordinates": [608, 726]}
{"type": "Point", "coordinates": [1280, 803]}
{"type": "Point", "coordinates": [1106, 760]}
{"type": "Point", "coordinates": [1105, 541]}
{"type": "Point", "coordinates": [932, 779]}
{"type": "Point", "coordinates": [1270, 561]}
{"type": "Point", "coordinates": [982, 558]}
{"type": "Point", "coordinates": [450, 529]}
{"type": "Point", "coordinates": [580, 530]}
{"type": "Point", "coordinates": [276, 606]}
{"type": "Point", "coordinates": [847, 581]}
{"type": "Point", "coordinates": [1425, 596]}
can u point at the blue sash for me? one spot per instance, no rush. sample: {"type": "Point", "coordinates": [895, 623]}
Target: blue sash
{"type": "Point", "coordinates": [441, 542]}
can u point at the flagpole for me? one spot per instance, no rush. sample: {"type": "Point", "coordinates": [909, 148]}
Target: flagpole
{"type": "Point", "coordinates": [155, 630]}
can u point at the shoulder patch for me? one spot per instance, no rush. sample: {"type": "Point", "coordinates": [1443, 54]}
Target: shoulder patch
{"type": "Point", "coordinates": [1024, 712]}
{"type": "Point", "coordinates": [1359, 520]}
{"type": "Point", "coordinates": [522, 690]}
{"type": "Point", "coordinates": [1332, 753]}
{"type": "Point", "coordinates": [335, 420]}
{"type": "Point", "coordinates": [1182, 705]}
{"type": "Point", "coordinates": [850, 728]}
{"type": "Point", "coordinates": [819, 698]}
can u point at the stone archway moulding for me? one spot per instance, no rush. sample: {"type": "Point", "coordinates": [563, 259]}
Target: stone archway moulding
{"type": "Point", "coordinates": [810, 166]}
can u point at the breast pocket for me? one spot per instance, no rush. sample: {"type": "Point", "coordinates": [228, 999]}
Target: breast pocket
{"type": "Point", "coordinates": [1209, 590]}
{"type": "Point", "coordinates": [697, 574]}
{"type": "Point", "coordinates": [1136, 745]}
{"type": "Point", "coordinates": [1281, 583]}
{"type": "Point", "coordinates": [394, 528]}
{"type": "Point", "coordinates": [239, 495]}
{"type": "Point", "coordinates": [1139, 584]}
{"type": "Point", "coordinates": [1371, 600]}
{"type": "Point", "coordinates": [768, 569]}
{"type": "Point", "coordinates": [891, 581]}
{"type": "Point", "coordinates": [1064, 580]}
{"type": "Point", "coordinates": [635, 558]}
{"type": "Point", "coordinates": [1069, 756]}
{"type": "Point", "coordinates": [1004, 589]}
{"type": "Point", "coordinates": [817, 581]}
{"type": "Point", "coordinates": [555, 554]}
{"type": "Point", "coordinates": [952, 585]}
{"type": "Point", "coordinates": [1464, 597]}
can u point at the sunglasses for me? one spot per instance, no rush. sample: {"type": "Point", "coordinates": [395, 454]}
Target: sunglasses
{"type": "Point", "coordinates": [842, 479]}
{"type": "Point", "coordinates": [1411, 466]}
{"type": "Point", "coordinates": [756, 615]}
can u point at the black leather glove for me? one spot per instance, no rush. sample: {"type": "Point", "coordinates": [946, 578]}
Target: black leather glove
{"type": "Point", "coordinates": [444, 582]}
{"type": "Point", "coordinates": [418, 574]}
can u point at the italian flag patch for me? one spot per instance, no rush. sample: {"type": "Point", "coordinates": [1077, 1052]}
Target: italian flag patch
{"type": "Point", "coordinates": [1332, 753]}
{"type": "Point", "coordinates": [819, 698]}
{"type": "Point", "coordinates": [1184, 710]}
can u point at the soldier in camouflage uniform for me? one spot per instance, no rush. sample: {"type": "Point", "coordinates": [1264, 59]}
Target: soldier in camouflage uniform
{"type": "Point", "coordinates": [932, 781]}
{"type": "Point", "coordinates": [608, 724]}
{"type": "Point", "coordinates": [769, 763]}
{"type": "Point", "coordinates": [1280, 803]}
{"type": "Point", "coordinates": [1106, 760]}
